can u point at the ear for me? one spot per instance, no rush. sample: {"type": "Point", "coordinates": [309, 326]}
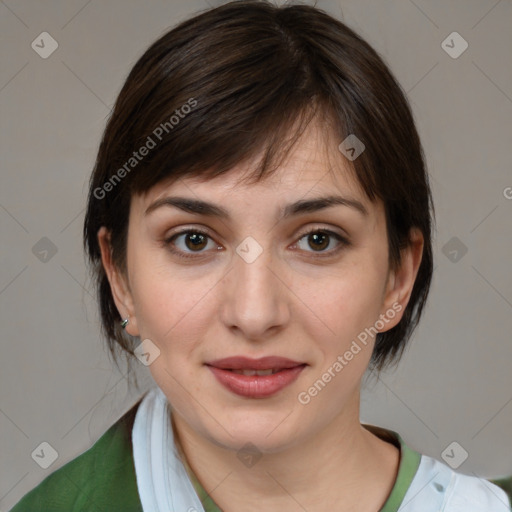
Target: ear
{"type": "Point", "coordinates": [119, 285]}
{"type": "Point", "coordinates": [401, 280]}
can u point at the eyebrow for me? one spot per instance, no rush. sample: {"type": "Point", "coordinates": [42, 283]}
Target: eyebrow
{"type": "Point", "coordinates": [200, 207]}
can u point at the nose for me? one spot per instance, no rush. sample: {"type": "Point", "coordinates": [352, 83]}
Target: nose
{"type": "Point", "coordinates": [254, 298]}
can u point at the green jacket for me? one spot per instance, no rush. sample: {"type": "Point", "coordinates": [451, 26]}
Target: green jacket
{"type": "Point", "coordinates": [102, 479]}
{"type": "Point", "coordinates": [94, 481]}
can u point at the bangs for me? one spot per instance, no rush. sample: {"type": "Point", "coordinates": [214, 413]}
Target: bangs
{"type": "Point", "coordinates": [200, 108]}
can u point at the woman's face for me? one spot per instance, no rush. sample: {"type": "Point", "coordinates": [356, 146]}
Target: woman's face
{"type": "Point", "coordinates": [254, 284]}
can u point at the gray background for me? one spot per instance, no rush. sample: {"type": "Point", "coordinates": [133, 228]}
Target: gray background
{"type": "Point", "coordinates": [57, 382]}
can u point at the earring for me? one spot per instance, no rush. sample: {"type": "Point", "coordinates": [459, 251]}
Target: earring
{"type": "Point", "coordinates": [124, 323]}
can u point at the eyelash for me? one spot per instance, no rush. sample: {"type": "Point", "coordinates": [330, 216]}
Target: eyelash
{"type": "Point", "coordinates": [343, 242]}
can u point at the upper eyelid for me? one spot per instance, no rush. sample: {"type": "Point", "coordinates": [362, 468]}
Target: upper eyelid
{"type": "Point", "coordinates": [206, 231]}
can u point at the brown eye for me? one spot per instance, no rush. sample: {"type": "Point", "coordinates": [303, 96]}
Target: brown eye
{"type": "Point", "coordinates": [195, 241]}
{"type": "Point", "coordinates": [318, 241]}
{"type": "Point", "coordinates": [322, 241]}
{"type": "Point", "coordinates": [190, 243]}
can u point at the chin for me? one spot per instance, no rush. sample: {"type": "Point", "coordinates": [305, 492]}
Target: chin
{"type": "Point", "coordinates": [269, 432]}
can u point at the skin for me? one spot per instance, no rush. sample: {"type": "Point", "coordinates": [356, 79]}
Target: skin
{"type": "Point", "coordinates": [289, 302]}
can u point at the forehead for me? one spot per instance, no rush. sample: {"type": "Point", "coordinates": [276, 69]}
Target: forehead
{"type": "Point", "coordinates": [314, 166]}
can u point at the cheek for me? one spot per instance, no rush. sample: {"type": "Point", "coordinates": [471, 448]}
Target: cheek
{"type": "Point", "coordinates": [349, 306]}
{"type": "Point", "coordinates": [348, 301]}
{"type": "Point", "coordinates": [175, 315]}
{"type": "Point", "coordinates": [163, 307]}
{"type": "Point", "coordinates": [173, 306]}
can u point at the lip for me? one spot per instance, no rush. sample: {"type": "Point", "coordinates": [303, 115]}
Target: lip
{"type": "Point", "coordinates": [247, 363]}
{"type": "Point", "coordinates": [255, 386]}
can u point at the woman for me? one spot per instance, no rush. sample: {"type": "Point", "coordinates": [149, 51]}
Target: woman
{"type": "Point", "coordinates": [259, 226]}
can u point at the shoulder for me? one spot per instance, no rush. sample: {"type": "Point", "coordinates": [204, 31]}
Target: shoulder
{"type": "Point", "coordinates": [99, 478]}
{"type": "Point", "coordinates": [444, 489]}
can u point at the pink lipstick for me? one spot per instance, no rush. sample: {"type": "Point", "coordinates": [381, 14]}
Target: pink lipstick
{"type": "Point", "coordinates": [255, 378]}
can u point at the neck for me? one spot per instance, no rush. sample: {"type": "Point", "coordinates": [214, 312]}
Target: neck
{"type": "Point", "coordinates": [343, 467]}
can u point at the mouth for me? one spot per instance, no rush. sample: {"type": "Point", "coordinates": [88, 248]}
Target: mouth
{"type": "Point", "coordinates": [270, 371]}
{"type": "Point", "coordinates": [255, 378]}
{"type": "Point", "coordinates": [266, 364]}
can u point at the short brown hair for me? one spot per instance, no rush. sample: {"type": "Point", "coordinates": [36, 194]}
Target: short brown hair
{"type": "Point", "coordinates": [249, 71]}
